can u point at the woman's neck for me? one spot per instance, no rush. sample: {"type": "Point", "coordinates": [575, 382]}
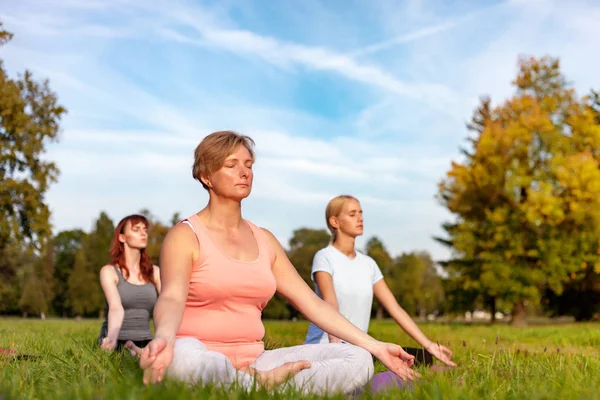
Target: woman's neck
{"type": "Point", "coordinates": [132, 258]}
{"type": "Point", "coordinates": [222, 213]}
{"type": "Point", "coordinates": [345, 245]}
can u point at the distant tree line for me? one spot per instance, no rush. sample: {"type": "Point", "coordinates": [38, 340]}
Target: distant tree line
{"type": "Point", "coordinates": [63, 281]}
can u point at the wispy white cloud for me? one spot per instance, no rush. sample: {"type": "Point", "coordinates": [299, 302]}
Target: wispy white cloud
{"type": "Point", "coordinates": [417, 34]}
{"type": "Point", "coordinates": [284, 145]}
{"type": "Point", "coordinates": [409, 37]}
{"type": "Point", "coordinates": [416, 7]}
{"type": "Point", "coordinates": [119, 95]}
{"type": "Point", "coordinates": [292, 154]}
{"type": "Point", "coordinates": [286, 55]}
{"type": "Point", "coordinates": [322, 169]}
{"type": "Point", "coordinates": [177, 19]}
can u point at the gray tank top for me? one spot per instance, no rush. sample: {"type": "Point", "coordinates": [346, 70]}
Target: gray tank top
{"type": "Point", "coordinates": [138, 302]}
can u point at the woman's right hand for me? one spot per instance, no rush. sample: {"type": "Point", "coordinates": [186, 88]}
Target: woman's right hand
{"type": "Point", "coordinates": [155, 359]}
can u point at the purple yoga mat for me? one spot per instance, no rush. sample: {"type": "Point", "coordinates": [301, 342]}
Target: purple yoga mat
{"type": "Point", "coordinates": [382, 382]}
{"type": "Point", "coordinates": [385, 381]}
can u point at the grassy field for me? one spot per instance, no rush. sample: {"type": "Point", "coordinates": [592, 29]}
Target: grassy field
{"type": "Point", "coordinates": [495, 362]}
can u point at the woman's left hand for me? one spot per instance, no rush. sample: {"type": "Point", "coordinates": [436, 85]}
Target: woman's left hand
{"type": "Point", "coordinates": [441, 353]}
{"type": "Point", "coordinates": [396, 360]}
{"type": "Point", "coordinates": [108, 344]}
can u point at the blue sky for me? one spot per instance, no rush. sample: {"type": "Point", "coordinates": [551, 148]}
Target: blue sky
{"type": "Point", "coordinates": [368, 98]}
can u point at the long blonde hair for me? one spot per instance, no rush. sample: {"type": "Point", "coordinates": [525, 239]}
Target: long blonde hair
{"type": "Point", "coordinates": [333, 209]}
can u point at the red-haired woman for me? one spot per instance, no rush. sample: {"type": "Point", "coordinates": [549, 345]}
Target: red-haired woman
{"type": "Point", "coordinates": [131, 285]}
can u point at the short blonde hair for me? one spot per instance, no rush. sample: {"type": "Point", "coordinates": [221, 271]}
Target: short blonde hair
{"type": "Point", "coordinates": [212, 151]}
{"type": "Point", "coordinates": [333, 209]}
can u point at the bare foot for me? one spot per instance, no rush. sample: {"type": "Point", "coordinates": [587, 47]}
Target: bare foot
{"type": "Point", "coordinates": [277, 376]}
{"type": "Point", "coordinates": [133, 349]}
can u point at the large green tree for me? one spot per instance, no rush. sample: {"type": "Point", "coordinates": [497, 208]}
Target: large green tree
{"type": "Point", "coordinates": [527, 196]}
{"type": "Point", "coordinates": [29, 120]}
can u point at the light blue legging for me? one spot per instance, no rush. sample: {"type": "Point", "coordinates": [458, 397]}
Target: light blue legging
{"type": "Point", "coordinates": [335, 368]}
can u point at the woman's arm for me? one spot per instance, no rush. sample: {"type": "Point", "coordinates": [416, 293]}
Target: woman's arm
{"type": "Point", "coordinates": [176, 265]}
{"type": "Point", "coordinates": [116, 313]}
{"type": "Point", "coordinates": [292, 286]}
{"type": "Point", "coordinates": [325, 282]}
{"type": "Point", "coordinates": [176, 260]}
{"type": "Point", "coordinates": [388, 301]}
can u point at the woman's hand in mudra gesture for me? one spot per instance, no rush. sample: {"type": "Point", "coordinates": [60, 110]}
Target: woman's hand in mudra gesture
{"type": "Point", "coordinates": [155, 359]}
{"type": "Point", "coordinates": [396, 360]}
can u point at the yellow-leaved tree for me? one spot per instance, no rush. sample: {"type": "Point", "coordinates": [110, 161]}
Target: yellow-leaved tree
{"type": "Point", "coordinates": [526, 197]}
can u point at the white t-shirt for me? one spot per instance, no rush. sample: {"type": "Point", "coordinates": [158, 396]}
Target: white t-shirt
{"type": "Point", "coordinates": [353, 280]}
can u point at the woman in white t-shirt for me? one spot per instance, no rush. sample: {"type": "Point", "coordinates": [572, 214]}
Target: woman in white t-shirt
{"type": "Point", "coordinates": [347, 279]}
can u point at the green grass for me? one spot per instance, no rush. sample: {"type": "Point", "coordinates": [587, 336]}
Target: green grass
{"type": "Point", "coordinates": [495, 362]}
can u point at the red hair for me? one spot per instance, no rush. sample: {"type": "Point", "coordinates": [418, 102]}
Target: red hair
{"type": "Point", "coordinates": [117, 251]}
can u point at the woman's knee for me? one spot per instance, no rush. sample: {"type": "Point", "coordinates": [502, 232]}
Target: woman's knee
{"type": "Point", "coordinates": [184, 347]}
{"type": "Point", "coordinates": [194, 364]}
{"type": "Point", "coordinates": [345, 368]}
{"type": "Point", "coordinates": [361, 360]}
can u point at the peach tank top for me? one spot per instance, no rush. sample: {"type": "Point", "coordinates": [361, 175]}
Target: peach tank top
{"type": "Point", "coordinates": [226, 297]}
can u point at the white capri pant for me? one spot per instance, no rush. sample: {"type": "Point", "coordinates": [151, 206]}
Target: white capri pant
{"type": "Point", "coordinates": [335, 368]}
